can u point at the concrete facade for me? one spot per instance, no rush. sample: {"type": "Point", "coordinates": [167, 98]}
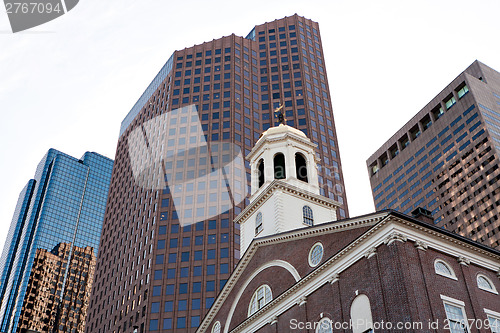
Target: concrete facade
{"type": "Point", "coordinates": [446, 159]}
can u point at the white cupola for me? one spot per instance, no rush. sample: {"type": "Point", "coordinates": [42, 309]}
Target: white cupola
{"type": "Point", "coordinates": [285, 188]}
{"type": "Point", "coordinates": [283, 153]}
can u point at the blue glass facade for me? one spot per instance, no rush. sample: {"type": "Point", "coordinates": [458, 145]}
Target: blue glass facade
{"type": "Point", "coordinates": [65, 202]}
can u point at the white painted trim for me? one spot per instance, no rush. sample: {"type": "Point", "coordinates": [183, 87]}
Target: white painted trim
{"type": "Point", "coordinates": [459, 304]}
{"type": "Point", "coordinates": [492, 313]}
{"type": "Point", "coordinates": [310, 252]}
{"type": "Point", "coordinates": [453, 276]}
{"type": "Point", "coordinates": [493, 291]}
{"type": "Point", "coordinates": [255, 295]}
{"type": "Point", "coordinates": [305, 233]}
{"type": "Point", "coordinates": [452, 300]}
{"type": "Point", "coordinates": [383, 224]}
{"type": "Point", "coordinates": [280, 263]}
{"type": "Point", "coordinates": [355, 252]}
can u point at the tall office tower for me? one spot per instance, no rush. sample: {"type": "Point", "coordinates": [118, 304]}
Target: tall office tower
{"type": "Point", "coordinates": [42, 310]}
{"type": "Point", "coordinates": [446, 159]}
{"type": "Point", "coordinates": [64, 203]}
{"type": "Point", "coordinates": [180, 176]}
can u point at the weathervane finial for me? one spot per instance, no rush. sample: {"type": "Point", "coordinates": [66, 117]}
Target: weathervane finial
{"type": "Point", "coordinates": [280, 114]}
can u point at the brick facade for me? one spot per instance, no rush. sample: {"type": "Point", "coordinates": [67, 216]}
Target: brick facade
{"type": "Point", "coordinates": [399, 280]}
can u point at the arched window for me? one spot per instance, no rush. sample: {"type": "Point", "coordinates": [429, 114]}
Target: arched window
{"type": "Point", "coordinates": [216, 327]}
{"type": "Point", "coordinates": [307, 215]}
{"type": "Point", "coordinates": [260, 170]}
{"type": "Point", "coordinates": [485, 284]}
{"type": "Point", "coordinates": [279, 166]}
{"type": "Point", "coordinates": [442, 268]}
{"type": "Point", "coordinates": [260, 298]}
{"type": "Point", "coordinates": [315, 254]}
{"type": "Point", "coordinates": [361, 315]}
{"type": "Point", "coordinates": [301, 167]}
{"type": "Point", "coordinates": [324, 326]}
{"type": "Point", "coordinates": [258, 223]}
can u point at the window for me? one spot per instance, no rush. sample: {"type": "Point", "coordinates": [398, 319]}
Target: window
{"type": "Point", "coordinates": [307, 215]}
{"type": "Point", "coordinates": [450, 102]}
{"type": "Point", "coordinates": [361, 315]}
{"type": "Point", "coordinates": [258, 223]}
{"type": "Point", "coordinates": [301, 167]}
{"type": "Point", "coordinates": [455, 313]}
{"type": "Point", "coordinates": [155, 307]}
{"type": "Point", "coordinates": [324, 326]}
{"type": "Point", "coordinates": [485, 284]}
{"type": "Point", "coordinates": [444, 269]}
{"type": "Point", "coordinates": [415, 132]}
{"type": "Point", "coordinates": [462, 91]}
{"type": "Point", "coordinates": [216, 327]}
{"type": "Point", "coordinates": [494, 320]}
{"type": "Point", "coordinates": [260, 298]}
{"type": "Point", "coordinates": [279, 166]}
{"type": "Point", "coordinates": [438, 112]}
{"type": "Point", "coordinates": [260, 170]}
{"type": "Point", "coordinates": [315, 254]}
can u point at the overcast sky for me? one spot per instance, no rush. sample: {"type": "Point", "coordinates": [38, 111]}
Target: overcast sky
{"type": "Point", "coordinates": [69, 83]}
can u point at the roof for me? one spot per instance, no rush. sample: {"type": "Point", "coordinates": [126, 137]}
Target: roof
{"type": "Point", "coordinates": [385, 227]}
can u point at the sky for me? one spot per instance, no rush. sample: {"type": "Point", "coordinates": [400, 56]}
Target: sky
{"type": "Point", "coordinates": [69, 83]}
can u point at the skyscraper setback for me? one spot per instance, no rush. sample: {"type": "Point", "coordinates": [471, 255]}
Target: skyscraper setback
{"type": "Point", "coordinates": [180, 177]}
{"type": "Point", "coordinates": [446, 159]}
{"type": "Point", "coordinates": [49, 256]}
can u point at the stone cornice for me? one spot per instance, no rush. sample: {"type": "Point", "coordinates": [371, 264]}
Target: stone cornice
{"type": "Point", "coordinates": [288, 298]}
{"type": "Point", "coordinates": [405, 229]}
{"type": "Point", "coordinates": [276, 185]}
{"type": "Point", "coordinates": [286, 237]}
{"type": "Point", "coordinates": [278, 138]}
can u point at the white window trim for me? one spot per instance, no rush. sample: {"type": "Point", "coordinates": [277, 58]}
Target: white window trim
{"type": "Point", "coordinates": [491, 313]}
{"type": "Point", "coordinates": [457, 303]}
{"type": "Point", "coordinates": [216, 328]}
{"type": "Point", "coordinates": [493, 291]}
{"type": "Point", "coordinates": [453, 276]}
{"type": "Point", "coordinates": [452, 300]}
{"type": "Point", "coordinates": [261, 223]}
{"type": "Point", "coordinates": [320, 323]}
{"type": "Point", "coordinates": [255, 295]}
{"type": "Point", "coordinates": [310, 252]}
{"type": "Point", "coordinates": [303, 216]}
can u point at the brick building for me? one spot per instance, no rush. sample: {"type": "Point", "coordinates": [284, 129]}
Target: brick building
{"type": "Point", "coordinates": [382, 267]}
{"type": "Point", "coordinates": [58, 290]}
{"type": "Point", "coordinates": [380, 272]}
{"type": "Point", "coordinates": [168, 243]}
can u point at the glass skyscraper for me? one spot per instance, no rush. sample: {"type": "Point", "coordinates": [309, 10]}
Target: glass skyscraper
{"type": "Point", "coordinates": [446, 159]}
{"type": "Point", "coordinates": [180, 176]}
{"type": "Point", "coordinates": [64, 203]}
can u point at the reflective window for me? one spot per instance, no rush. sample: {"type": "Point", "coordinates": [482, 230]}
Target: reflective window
{"type": "Point", "coordinates": [260, 298]}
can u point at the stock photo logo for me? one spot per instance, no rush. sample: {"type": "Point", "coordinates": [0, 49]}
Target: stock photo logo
{"type": "Point", "coordinates": [25, 15]}
{"type": "Point", "coordinates": [171, 153]}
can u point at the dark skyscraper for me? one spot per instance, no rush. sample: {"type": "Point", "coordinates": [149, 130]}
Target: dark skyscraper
{"type": "Point", "coordinates": [64, 203]}
{"type": "Point", "coordinates": [180, 176]}
{"type": "Point", "coordinates": [446, 159]}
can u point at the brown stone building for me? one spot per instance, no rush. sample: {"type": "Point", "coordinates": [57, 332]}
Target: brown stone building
{"type": "Point", "coordinates": [58, 291]}
{"type": "Point", "coordinates": [382, 272]}
{"type": "Point", "coordinates": [168, 243]}
{"type": "Point", "coordinates": [446, 159]}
